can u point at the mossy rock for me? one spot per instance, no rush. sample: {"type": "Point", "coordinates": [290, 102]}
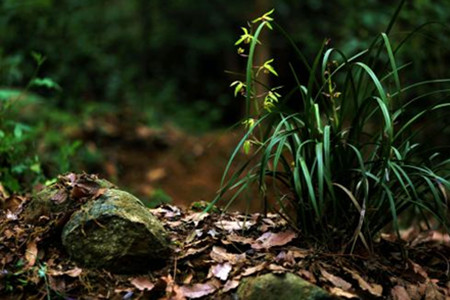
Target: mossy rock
{"type": "Point", "coordinates": [116, 232]}
{"type": "Point", "coordinates": [281, 287]}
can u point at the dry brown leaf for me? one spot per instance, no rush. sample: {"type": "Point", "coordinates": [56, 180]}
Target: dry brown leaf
{"type": "Point", "coordinates": [399, 293]}
{"type": "Point", "coordinates": [8, 233]}
{"type": "Point", "coordinates": [199, 290]}
{"type": "Point", "coordinates": [252, 270]}
{"type": "Point", "coordinates": [432, 292]}
{"type": "Point", "coordinates": [75, 272]}
{"type": "Point", "coordinates": [335, 291]}
{"type": "Point", "coordinates": [221, 271]}
{"type": "Point", "coordinates": [374, 289]}
{"type": "Point", "coordinates": [336, 280]}
{"type": "Point", "coordinates": [270, 239]}
{"type": "Point", "coordinates": [221, 255]}
{"type": "Point", "coordinates": [285, 258]}
{"type": "Point", "coordinates": [11, 216]}
{"type": "Point", "coordinates": [230, 285]}
{"type": "Point", "coordinates": [193, 251]}
{"type": "Point", "coordinates": [307, 275]}
{"type": "Point", "coordinates": [142, 283]}
{"type": "Point", "coordinates": [31, 253]}
{"type": "Point", "coordinates": [418, 270]}
{"type": "Point", "coordinates": [277, 269]}
{"type": "Point", "coordinates": [298, 253]}
{"type": "Point", "coordinates": [416, 291]}
{"type": "Point", "coordinates": [173, 291]}
{"type": "Point", "coordinates": [234, 225]}
{"type": "Point", "coordinates": [234, 238]}
{"type": "Point", "coordinates": [196, 217]}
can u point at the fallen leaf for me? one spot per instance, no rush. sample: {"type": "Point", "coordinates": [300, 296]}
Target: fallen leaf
{"type": "Point", "coordinates": [221, 271]}
{"type": "Point", "coordinates": [193, 251]}
{"type": "Point", "coordinates": [173, 291]}
{"type": "Point", "coordinates": [336, 280]}
{"type": "Point", "coordinates": [31, 253]}
{"type": "Point", "coordinates": [230, 285]}
{"type": "Point", "coordinates": [252, 270]}
{"type": "Point", "coordinates": [199, 290]}
{"type": "Point", "coordinates": [196, 217]}
{"type": "Point", "coordinates": [307, 275]}
{"type": "Point", "coordinates": [399, 293]}
{"type": "Point", "coordinates": [75, 272]}
{"type": "Point", "coordinates": [270, 239]}
{"type": "Point", "coordinates": [418, 270]}
{"type": "Point", "coordinates": [11, 216]}
{"type": "Point", "coordinates": [285, 258]}
{"type": "Point", "coordinates": [234, 225]}
{"type": "Point", "coordinates": [298, 253]}
{"type": "Point", "coordinates": [142, 283]}
{"type": "Point", "coordinates": [335, 291]}
{"type": "Point", "coordinates": [277, 269]}
{"type": "Point", "coordinates": [234, 238]}
{"type": "Point", "coordinates": [374, 289]}
{"type": "Point", "coordinates": [221, 255]}
{"type": "Point", "coordinates": [432, 292]}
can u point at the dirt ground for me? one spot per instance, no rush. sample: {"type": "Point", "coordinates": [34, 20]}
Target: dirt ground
{"type": "Point", "coordinates": [143, 160]}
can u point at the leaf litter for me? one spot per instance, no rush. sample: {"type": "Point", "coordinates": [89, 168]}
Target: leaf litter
{"type": "Point", "coordinates": [212, 253]}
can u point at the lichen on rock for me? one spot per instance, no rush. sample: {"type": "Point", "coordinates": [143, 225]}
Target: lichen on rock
{"type": "Point", "coordinates": [116, 232]}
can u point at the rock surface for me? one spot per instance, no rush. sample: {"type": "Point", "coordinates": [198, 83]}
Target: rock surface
{"type": "Point", "coordinates": [116, 232]}
{"type": "Point", "coordinates": [281, 287]}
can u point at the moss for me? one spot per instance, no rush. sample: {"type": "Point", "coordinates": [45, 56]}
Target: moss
{"type": "Point", "coordinates": [116, 232]}
{"type": "Point", "coordinates": [287, 286]}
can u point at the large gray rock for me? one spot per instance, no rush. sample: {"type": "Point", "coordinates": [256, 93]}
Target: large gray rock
{"type": "Point", "coordinates": [117, 232]}
{"type": "Point", "coordinates": [281, 287]}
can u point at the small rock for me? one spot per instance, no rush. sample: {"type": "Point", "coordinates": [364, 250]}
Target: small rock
{"type": "Point", "coordinates": [281, 287]}
{"type": "Point", "coordinates": [116, 232]}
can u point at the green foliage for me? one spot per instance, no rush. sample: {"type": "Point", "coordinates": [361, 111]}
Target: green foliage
{"type": "Point", "coordinates": [26, 141]}
{"type": "Point", "coordinates": [136, 54]}
{"type": "Point", "coordinates": [347, 161]}
{"type": "Point", "coordinates": [17, 163]}
{"type": "Point", "coordinates": [141, 54]}
{"type": "Point", "coordinates": [158, 197]}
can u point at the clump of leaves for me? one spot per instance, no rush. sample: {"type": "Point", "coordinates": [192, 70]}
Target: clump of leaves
{"type": "Point", "coordinates": [347, 163]}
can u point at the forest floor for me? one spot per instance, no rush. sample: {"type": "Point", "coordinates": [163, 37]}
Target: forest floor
{"type": "Point", "coordinates": [213, 252]}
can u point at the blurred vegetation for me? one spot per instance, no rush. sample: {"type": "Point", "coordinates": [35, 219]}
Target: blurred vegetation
{"type": "Point", "coordinates": [166, 60]}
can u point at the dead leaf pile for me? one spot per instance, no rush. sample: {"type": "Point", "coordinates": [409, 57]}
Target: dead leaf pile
{"type": "Point", "coordinates": [213, 252]}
